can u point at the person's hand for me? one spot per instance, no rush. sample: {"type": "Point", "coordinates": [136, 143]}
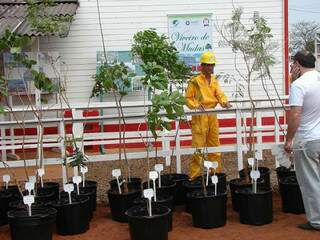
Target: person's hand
{"type": "Point", "coordinates": [226, 105]}
{"type": "Point", "coordinates": [288, 147]}
{"type": "Point", "coordinates": [294, 71]}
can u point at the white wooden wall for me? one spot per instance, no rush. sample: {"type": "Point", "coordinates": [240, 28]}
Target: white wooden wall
{"type": "Point", "coordinates": [121, 19]}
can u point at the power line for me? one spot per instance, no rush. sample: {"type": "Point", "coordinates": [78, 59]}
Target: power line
{"type": "Point", "coordinates": [303, 10]}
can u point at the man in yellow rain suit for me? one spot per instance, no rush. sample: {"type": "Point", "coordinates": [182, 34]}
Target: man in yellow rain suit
{"type": "Point", "coordinates": [204, 92]}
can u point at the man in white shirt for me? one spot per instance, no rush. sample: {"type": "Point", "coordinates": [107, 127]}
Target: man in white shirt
{"type": "Point", "coordinates": [303, 135]}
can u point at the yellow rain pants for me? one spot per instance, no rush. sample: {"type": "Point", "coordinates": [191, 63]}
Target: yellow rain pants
{"type": "Point", "coordinates": [205, 128]}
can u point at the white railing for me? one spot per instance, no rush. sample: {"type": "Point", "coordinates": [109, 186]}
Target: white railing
{"type": "Point", "coordinates": [239, 132]}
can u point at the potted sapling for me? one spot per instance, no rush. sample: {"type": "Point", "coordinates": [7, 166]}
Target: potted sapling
{"type": "Point", "coordinates": [254, 43]}
{"type": "Point", "coordinates": [164, 75]}
{"type": "Point", "coordinates": [150, 220]}
{"type": "Point", "coordinates": [208, 205]}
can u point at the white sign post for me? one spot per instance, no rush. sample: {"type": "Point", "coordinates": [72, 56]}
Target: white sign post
{"type": "Point", "coordinates": [83, 170]}
{"type": "Point", "coordinates": [28, 200]}
{"type": "Point", "coordinates": [159, 169]}
{"type": "Point", "coordinates": [148, 193]}
{"type": "Point", "coordinates": [117, 173]}
{"type": "Point", "coordinates": [207, 165]}
{"type": "Point", "coordinates": [69, 187]}
{"type": "Point", "coordinates": [41, 173]}
{"type": "Point", "coordinates": [6, 179]}
{"type": "Point", "coordinates": [29, 186]}
{"type": "Point", "coordinates": [255, 174]}
{"type": "Point", "coordinates": [77, 180]}
{"type": "Point", "coordinates": [153, 175]}
{"type": "Point", "coordinates": [215, 180]}
{"type": "Point", "coordinates": [32, 179]}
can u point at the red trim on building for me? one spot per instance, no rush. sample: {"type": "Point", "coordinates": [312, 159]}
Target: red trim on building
{"type": "Point", "coordinates": [286, 46]}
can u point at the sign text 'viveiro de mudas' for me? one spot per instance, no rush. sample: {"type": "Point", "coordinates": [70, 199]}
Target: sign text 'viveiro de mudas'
{"type": "Point", "coordinates": [191, 35]}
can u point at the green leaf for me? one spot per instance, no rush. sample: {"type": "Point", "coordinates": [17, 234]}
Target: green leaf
{"type": "Point", "coordinates": [15, 50]}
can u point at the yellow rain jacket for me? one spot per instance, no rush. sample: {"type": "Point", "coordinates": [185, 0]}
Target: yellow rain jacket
{"type": "Point", "coordinates": [205, 128]}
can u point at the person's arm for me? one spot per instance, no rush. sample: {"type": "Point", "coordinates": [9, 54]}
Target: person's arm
{"type": "Point", "coordinates": [190, 95]}
{"type": "Point", "coordinates": [296, 102]}
{"type": "Point", "coordinates": [293, 125]}
{"type": "Point", "coordinates": [222, 99]}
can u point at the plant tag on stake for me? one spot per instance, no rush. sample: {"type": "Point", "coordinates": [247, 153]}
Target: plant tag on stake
{"type": "Point", "coordinates": [41, 173]}
{"type": "Point", "coordinates": [117, 173]}
{"type": "Point", "coordinates": [77, 180]}
{"type": "Point", "coordinates": [148, 193]}
{"type": "Point", "coordinates": [29, 187]}
{"type": "Point", "coordinates": [153, 175]}
{"type": "Point", "coordinates": [255, 174]}
{"type": "Point", "coordinates": [215, 180]}
{"type": "Point", "coordinates": [159, 169]}
{"type": "Point", "coordinates": [68, 188]}
{"type": "Point", "coordinates": [215, 165]}
{"type": "Point", "coordinates": [251, 161]}
{"type": "Point", "coordinates": [28, 200]}
{"type": "Point", "coordinates": [32, 179]}
{"type": "Point", "coordinates": [6, 179]}
{"type": "Point", "coordinates": [83, 170]}
{"type": "Point", "coordinates": [207, 165]}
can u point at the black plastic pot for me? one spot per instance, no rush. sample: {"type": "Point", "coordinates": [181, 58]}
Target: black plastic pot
{"type": "Point", "coordinates": [264, 174]}
{"type": "Point", "coordinates": [255, 208]}
{"type": "Point", "coordinates": [43, 196]}
{"type": "Point", "coordinates": [168, 187]}
{"type": "Point", "coordinates": [285, 172]}
{"type": "Point", "coordinates": [163, 200]}
{"type": "Point", "coordinates": [39, 226]}
{"type": "Point", "coordinates": [72, 218]}
{"type": "Point", "coordinates": [178, 178]}
{"type": "Point", "coordinates": [238, 183]}
{"type": "Point", "coordinates": [16, 205]}
{"type": "Point", "coordinates": [145, 227]}
{"type": "Point", "coordinates": [48, 188]}
{"type": "Point", "coordinates": [120, 203]}
{"type": "Point", "coordinates": [14, 190]}
{"type": "Point", "coordinates": [91, 185]}
{"type": "Point", "coordinates": [291, 195]}
{"type": "Point", "coordinates": [133, 184]}
{"type": "Point", "coordinates": [87, 192]}
{"type": "Point", "coordinates": [208, 211]}
{"type": "Point", "coordinates": [222, 181]}
{"type": "Point", "coordinates": [196, 186]}
{"type": "Point", "coordinates": [5, 199]}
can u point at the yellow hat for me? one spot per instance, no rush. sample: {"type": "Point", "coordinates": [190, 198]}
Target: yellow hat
{"type": "Point", "coordinates": [208, 58]}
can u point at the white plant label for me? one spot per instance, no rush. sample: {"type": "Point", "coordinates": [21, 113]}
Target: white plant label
{"type": "Point", "coordinates": [153, 175]}
{"type": "Point", "coordinates": [251, 161]}
{"type": "Point", "coordinates": [6, 179]}
{"type": "Point", "coordinates": [77, 180]}
{"type": "Point", "coordinates": [41, 172]}
{"type": "Point", "coordinates": [159, 169]}
{"type": "Point", "coordinates": [166, 153]}
{"type": "Point", "coordinates": [215, 180]}
{"type": "Point", "coordinates": [255, 175]}
{"type": "Point", "coordinates": [84, 169]}
{"type": "Point", "coordinates": [207, 164]}
{"type": "Point", "coordinates": [28, 200]}
{"type": "Point", "coordinates": [32, 179]}
{"type": "Point", "coordinates": [215, 165]}
{"type": "Point", "coordinates": [148, 193]}
{"type": "Point", "coordinates": [29, 187]}
{"type": "Point", "coordinates": [116, 173]}
{"type": "Point", "coordinates": [68, 188]}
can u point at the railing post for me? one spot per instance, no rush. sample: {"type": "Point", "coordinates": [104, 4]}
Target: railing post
{"type": "Point", "coordinates": [239, 139]}
{"type": "Point", "coordinates": [63, 151]}
{"type": "Point", "coordinates": [178, 155]}
{"type": "Point", "coordinates": [77, 130]}
{"type": "Point", "coordinates": [259, 154]}
{"type": "Point", "coordinates": [277, 133]}
{"type": "Point", "coordinates": [3, 141]}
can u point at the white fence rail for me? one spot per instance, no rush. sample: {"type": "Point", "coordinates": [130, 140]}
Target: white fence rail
{"type": "Point", "coordinates": [239, 132]}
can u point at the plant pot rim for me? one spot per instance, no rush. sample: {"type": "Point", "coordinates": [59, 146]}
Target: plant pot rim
{"type": "Point", "coordinates": [75, 201]}
{"type": "Point", "coordinates": [37, 213]}
{"type": "Point", "coordinates": [284, 180]}
{"type": "Point", "coordinates": [210, 195]}
{"type": "Point", "coordinates": [130, 191]}
{"type": "Point", "coordinates": [167, 211]}
{"type": "Point", "coordinates": [246, 191]}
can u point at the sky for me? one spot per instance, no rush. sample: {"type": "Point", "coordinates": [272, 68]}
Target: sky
{"type": "Point", "coordinates": [304, 10]}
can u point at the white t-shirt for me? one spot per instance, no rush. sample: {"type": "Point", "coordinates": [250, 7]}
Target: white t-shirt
{"type": "Point", "coordinates": [305, 92]}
